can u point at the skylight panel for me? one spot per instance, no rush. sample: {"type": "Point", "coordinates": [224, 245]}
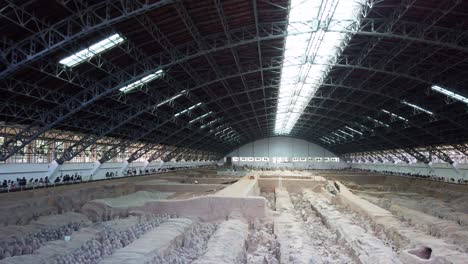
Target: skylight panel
{"type": "Point", "coordinates": [354, 130]}
{"type": "Point", "coordinates": [329, 139]}
{"type": "Point", "coordinates": [210, 123]}
{"type": "Point", "coordinates": [188, 109]}
{"type": "Point", "coordinates": [137, 84]}
{"type": "Point", "coordinates": [338, 135]}
{"type": "Point", "coordinates": [325, 141]}
{"type": "Point", "coordinates": [364, 127]}
{"type": "Point", "coordinates": [200, 117]}
{"type": "Point", "coordinates": [92, 50]}
{"type": "Point", "coordinates": [378, 121]}
{"type": "Point", "coordinates": [346, 133]}
{"type": "Point", "coordinates": [395, 115]}
{"type": "Point", "coordinates": [450, 94]}
{"type": "Point", "coordinates": [172, 98]}
{"type": "Point", "coordinates": [309, 55]}
{"type": "Point", "coordinates": [417, 107]}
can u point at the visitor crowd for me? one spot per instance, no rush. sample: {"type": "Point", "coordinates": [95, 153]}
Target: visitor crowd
{"type": "Point", "coordinates": [23, 183]}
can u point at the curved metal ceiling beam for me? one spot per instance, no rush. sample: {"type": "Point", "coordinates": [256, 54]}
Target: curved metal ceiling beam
{"type": "Point", "coordinates": [411, 151]}
{"type": "Point", "coordinates": [434, 150]}
{"type": "Point", "coordinates": [345, 121]}
{"type": "Point", "coordinates": [408, 31]}
{"type": "Point", "coordinates": [95, 97]}
{"type": "Point", "coordinates": [390, 23]}
{"type": "Point", "coordinates": [94, 91]}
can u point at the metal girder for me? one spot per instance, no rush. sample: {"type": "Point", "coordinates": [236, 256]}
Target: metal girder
{"type": "Point", "coordinates": [235, 55]}
{"type": "Point", "coordinates": [463, 148]}
{"type": "Point", "coordinates": [394, 17]}
{"type": "Point", "coordinates": [381, 64]}
{"type": "Point", "coordinates": [408, 31]}
{"type": "Point", "coordinates": [369, 108]}
{"type": "Point", "coordinates": [164, 42]}
{"type": "Point", "coordinates": [48, 38]}
{"type": "Point", "coordinates": [108, 85]}
{"type": "Point", "coordinates": [203, 45]}
{"type": "Point", "coordinates": [259, 50]}
{"type": "Point", "coordinates": [406, 73]}
{"type": "Point", "coordinates": [147, 105]}
{"type": "Point", "coordinates": [146, 148]}
{"type": "Point", "coordinates": [410, 151]}
{"type": "Point", "coordinates": [44, 117]}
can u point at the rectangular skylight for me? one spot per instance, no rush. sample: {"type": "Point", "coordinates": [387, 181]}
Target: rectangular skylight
{"type": "Point", "coordinates": [325, 141]}
{"type": "Point", "coordinates": [188, 109]}
{"type": "Point", "coordinates": [364, 127]}
{"type": "Point", "coordinates": [346, 133]}
{"type": "Point", "coordinates": [172, 98]}
{"type": "Point", "coordinates": [394, 115]}
{"type": "Point", "coordinates": [210, 123]}
{"type": "Point", "coordinates": [354, 130]}
{"type": "Point", "coordinates": [309, 55]}
{"type": "Point", "coordinates": [329, 139]}
{"type": "Point", "coordinates": [338, 135]}
{"type": "Point", "coordinates": [200, 117]}
{"type": "Point", "coordinates": [417, 107]}
{"type": "Point", "coordinates": [378, 121]}
{"type": "Point", "coordinates": [148, 78]}
{"type": "Point", "coordinates": [92, 50]}
{"type": "Point", "coordinates": [450, 94]}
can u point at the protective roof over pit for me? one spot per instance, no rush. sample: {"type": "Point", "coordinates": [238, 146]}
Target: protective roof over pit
{"type": "Point", "coordinates": [200, 78]}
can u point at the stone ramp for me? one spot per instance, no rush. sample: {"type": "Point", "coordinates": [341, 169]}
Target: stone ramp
{"type": "Point", "coordinates": [153, 245]}
{"type": "Point", "coordinates": [365, 247]}
{"type": "Point", "coordinates": [247, 186]}
{"type": "Point", "coordinates": [295, 244]}
{"type": "Point", "coordinates": [227, 244]}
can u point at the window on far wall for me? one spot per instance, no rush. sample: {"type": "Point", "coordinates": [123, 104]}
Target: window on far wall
{"type": "Point", "coordinates": [242, 158]}
{"type": "Point", "coordinates": [250, 159]}
{"type": "Point", "coordinates": [235, 158]}
{"type": "Point", "coordinates": [258, 159]}
{"type": "Point", "coordinates": [265, 159]}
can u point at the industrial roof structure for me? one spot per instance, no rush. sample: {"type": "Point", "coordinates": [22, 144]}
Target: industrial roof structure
{"type": "Point", "coordinates": [204, 77]}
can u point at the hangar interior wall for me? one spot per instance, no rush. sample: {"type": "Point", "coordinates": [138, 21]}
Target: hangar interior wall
{"type": "Point", "coordinates": [88, 170]}
{"type": "Point", "coordinates": [285, 152]}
